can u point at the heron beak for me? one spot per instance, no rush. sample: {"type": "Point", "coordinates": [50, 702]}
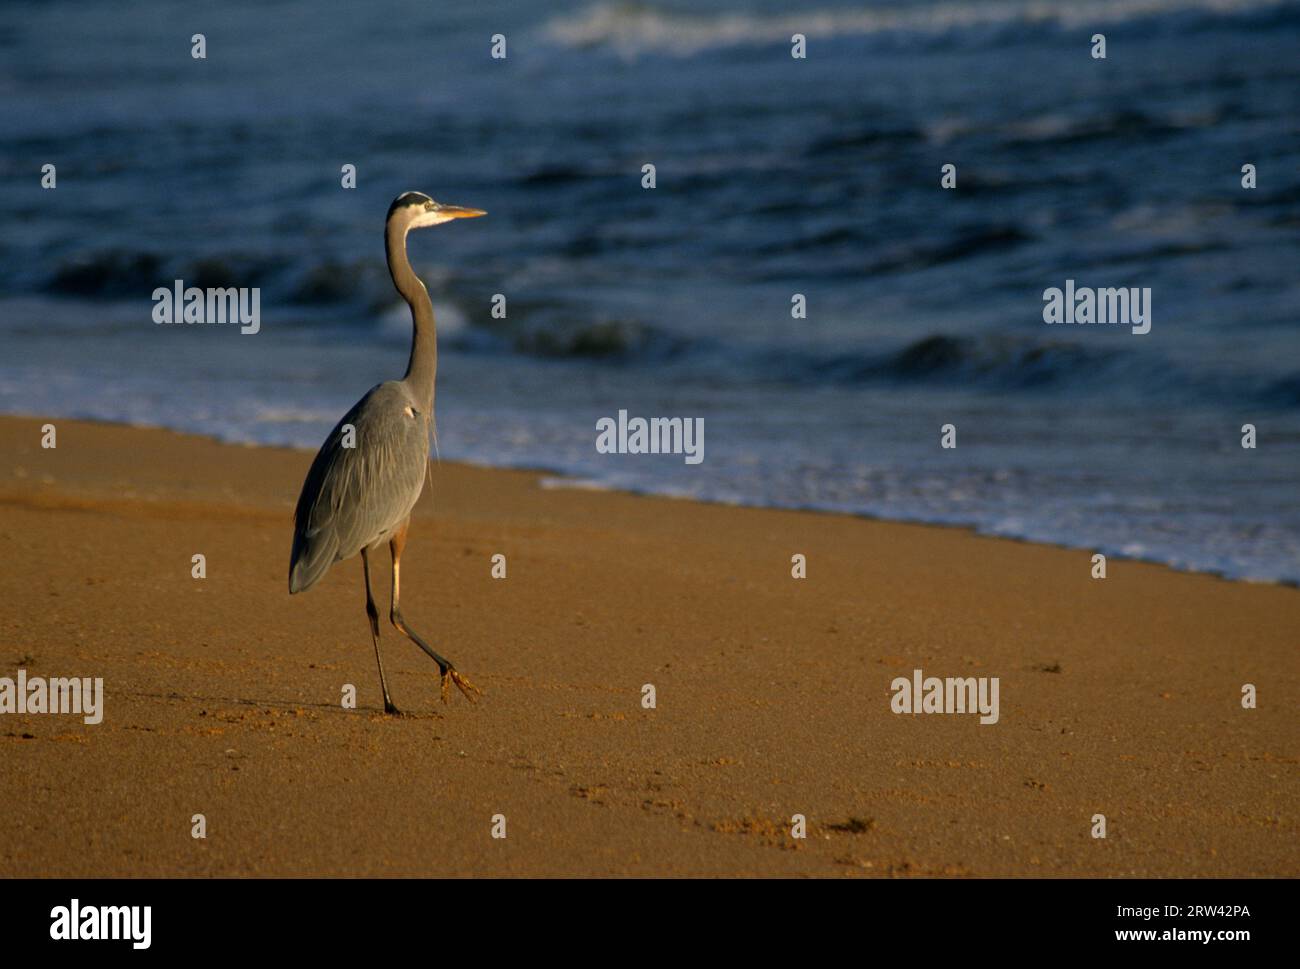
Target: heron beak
{"type": "Point", "coordinates": [457, 212]}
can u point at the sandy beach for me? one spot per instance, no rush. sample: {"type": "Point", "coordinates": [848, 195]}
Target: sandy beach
{"type": "Point", "coordinates": [222, 695]}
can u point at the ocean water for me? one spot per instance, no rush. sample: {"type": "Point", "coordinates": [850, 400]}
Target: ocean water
{"type": "Point", "coordinates": [775, 176]}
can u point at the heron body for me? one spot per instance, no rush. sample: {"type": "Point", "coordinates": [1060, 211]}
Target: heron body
{"type": "Point", "coordinates": [369, 473]}
{"type": "Point", "coordinates": [357, 498]}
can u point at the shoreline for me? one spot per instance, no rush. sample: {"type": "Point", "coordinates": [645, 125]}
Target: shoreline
{"type": "Point", "coordinates": [559, 479]}
{"type": "Point", "coordinates": [773, 694]}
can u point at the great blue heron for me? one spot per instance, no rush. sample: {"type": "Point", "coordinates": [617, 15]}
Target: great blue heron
{"type": "Point", "coordinates": [370, 471]}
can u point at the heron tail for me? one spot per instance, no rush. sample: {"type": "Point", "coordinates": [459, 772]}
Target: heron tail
{"type": "Point", "coordinates": [309, 562]}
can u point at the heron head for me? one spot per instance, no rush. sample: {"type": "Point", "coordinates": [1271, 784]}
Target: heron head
{"type": "Point", "coordinates": [416, 210]}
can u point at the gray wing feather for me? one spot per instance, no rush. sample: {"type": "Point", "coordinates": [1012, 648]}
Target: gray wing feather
{"type": "Point", "coordinates": [355, 497]}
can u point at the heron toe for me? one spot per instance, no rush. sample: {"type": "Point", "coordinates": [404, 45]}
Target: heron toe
{"type": "Point", "coordinates": [450, 676]}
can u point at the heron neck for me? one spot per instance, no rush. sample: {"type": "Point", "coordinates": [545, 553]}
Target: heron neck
{"type": "Point", "coordinates": [422, 369]}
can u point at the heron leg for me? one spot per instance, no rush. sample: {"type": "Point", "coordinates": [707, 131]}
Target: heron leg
{"type": "Point", "coordinates": [449, 673]}
{"type": "Point", "coordinates": [373, 613]}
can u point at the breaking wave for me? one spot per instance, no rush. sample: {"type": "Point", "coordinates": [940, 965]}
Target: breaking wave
{"type": "Point", "coordinates": [632, 29]}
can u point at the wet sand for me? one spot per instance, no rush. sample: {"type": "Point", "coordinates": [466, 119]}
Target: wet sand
{"type": "Point", "coordinates": [223, 695]}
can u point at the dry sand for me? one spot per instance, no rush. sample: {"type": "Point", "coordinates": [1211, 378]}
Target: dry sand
{"type": "Point", "coordinates": [222, 695]}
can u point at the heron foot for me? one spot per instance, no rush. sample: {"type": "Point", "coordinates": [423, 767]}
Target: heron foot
{"type": "Point", "coordinates": [391, 709]}
{"type": "Point", "coordinates": [450, 676]}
